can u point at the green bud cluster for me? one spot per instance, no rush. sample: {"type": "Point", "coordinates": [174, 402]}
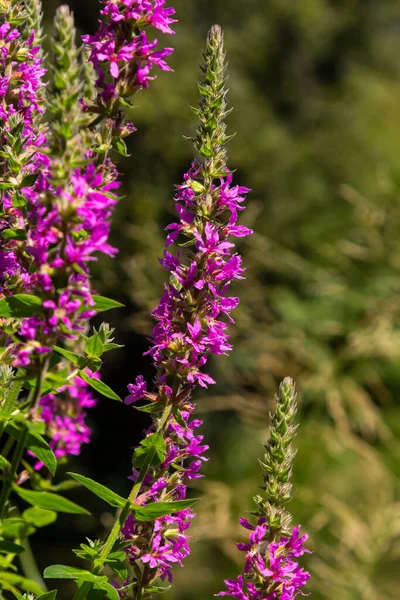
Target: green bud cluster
{"type": "Point", "coordinates": [34, 12]}
{"type": "Point", "coordinates": [277, 465]}
{"type": "Point", "coordinates": [212, 110]}
{"type": "Point", "coordinates": [68, 77]}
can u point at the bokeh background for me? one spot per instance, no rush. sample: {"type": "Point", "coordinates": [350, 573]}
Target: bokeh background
{"type": "Point", "coordinates": [316, 90]}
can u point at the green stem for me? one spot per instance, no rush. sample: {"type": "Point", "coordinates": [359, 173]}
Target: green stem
{"type": "Point", "coordinates": [29, 566]}
{"type": "Point", "coordinates": [19, 451]}
{"type": "Point", "coordinates": [120, 521]}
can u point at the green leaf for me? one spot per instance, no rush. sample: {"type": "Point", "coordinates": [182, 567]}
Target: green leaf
{"type": "Point", "coordinates": [20, 305]}
{"type": "Point", "coordinates": [6, 186]}
{"type": "Point", "coordinates": [156, 589]}
{"type": "Point", "coordinates": [13, 234]}
{"type": "Point", "coordinates": [49, 501]}
{"type": "Point", "coordinates": [4, 464]}
{"type": "Point", "coordinates": [120, 146]}
{"type": "Point", "coordinates": [206, 151]}
{"type": "Point", "coordinates": [36, 444]}
{"type": "Point", "coordinates": [48, 596]}
{"type": "Point", "coordinates": [10, 547]}
{"type": "Point", "coordinates": [76, 359]}
{"type": "Point", "coordinates": [65, 572]}
{"type": "Point", "coordinates": [154, 510]}
{"type": "Point", "coordinates": [40, 517]}
{"type": "Point", "coordinates": [19, 201]}
{"type": "Point", "coordinates": [102, 303]}
{"type": "Point", "coordinates": [111, 592]}
{"type": "Point", "coordinates": [27, 585]}
{"type": "Point", "coordinates": [99, 386]}
{"type": "Point", "coordinates": [101, 491]}
{"type": "Point", "coordinates": [152, 450]}
{"type": "Point", "coordinates": [154, 407]}
{"type": "Point", "coordinates": [111, 346]}
{"type": "Point", "coordinates": [94, 347]}
{"type": "Point", "coordinates": [16, 528]}
{"type": "Point", "coordinates": [29, 180]}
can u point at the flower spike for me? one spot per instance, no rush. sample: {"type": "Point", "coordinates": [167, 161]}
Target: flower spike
{"type": "Point", "coordinates": [271, 569]}
{"type": "Point", "coordinates": [191, 326]}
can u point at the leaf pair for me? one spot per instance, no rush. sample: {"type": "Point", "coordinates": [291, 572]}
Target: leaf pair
{"type": "Point", "coordinates": [149, 512]}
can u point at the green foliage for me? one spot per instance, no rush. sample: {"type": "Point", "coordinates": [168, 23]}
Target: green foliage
{"type": "Point", "coordinates": [35, 442]}
{"type": "Point", "coordinates": [99, 386]}
{"type": "Point", "coordinates": [20, 305]}
{"type": "Point", "coordinates": [48, 595]}
{"type": "Point", "coordinates": [101, 491]}
{"type": "Point", "coordinates": [39, 517]}
{"type": "Point", "coordinates": [101, 304]}
{"type": "Point", "coordinates": [154, 510]}
{"type": "Point", "coordinates": [99, 582]}
{"type": "Point", "coordinates": [151, 451]}
{"type": "Point", "coordinates": [49, 501]}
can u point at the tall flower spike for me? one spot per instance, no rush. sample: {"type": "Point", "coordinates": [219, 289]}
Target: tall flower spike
{"type": "Point", "coordinates": [191, 326]}
{"type": "Point", "coordinates": [271, 568]}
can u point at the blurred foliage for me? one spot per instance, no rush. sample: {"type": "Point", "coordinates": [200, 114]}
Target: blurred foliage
{"type": "Point", "coordinates": [316, 90]}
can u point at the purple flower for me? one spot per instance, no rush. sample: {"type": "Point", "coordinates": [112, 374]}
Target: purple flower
{"type": "Point", "coordinates": [136, 391]}
{"type": "Point", "coordinates": [269, 570]}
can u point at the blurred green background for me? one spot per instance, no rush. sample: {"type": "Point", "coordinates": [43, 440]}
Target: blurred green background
{"type": "Point", "coordinates": [316, 90]}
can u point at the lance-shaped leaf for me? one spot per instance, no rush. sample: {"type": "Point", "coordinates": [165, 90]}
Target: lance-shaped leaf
{"type": "Point", "coordinates": [49, 501]}
{"type": "Point", "coordinates": [101, 491]}
{"type": "Point", "coordinates": [100, 582]}
{"type": "Point", "coordinates": [154, 510]}
{"type": "Point", "coordinates": [73, 357]}
{"type": "Point", "coordinates": [11, 580]}
{"type": "Point", "coordinates": [48, 595]}
{"type": "Point", "coordinates": [99, 386]}
{"type": "Point", "coordinates": [102, 303]}
{"type": "Point", "coordinates": [35, 443]}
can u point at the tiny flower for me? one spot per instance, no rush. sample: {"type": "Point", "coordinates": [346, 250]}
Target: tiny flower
{"type": "Point", "coordinates": [137, 391]}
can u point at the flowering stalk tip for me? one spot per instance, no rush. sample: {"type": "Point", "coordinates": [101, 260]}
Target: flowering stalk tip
{"type": "Point", "coordinates": [277, 465]}
{"type": "Point", "coordinates": [271, 570]}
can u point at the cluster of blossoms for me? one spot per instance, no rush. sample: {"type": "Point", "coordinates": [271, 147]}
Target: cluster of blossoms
{"type": "Point", "coordinates": [271, 569]}
{"type": "Point", "coordinates": [163, 542]}
{"type": "Point", "coordinates": [122, 44]}
{"type": "Point", "coordinates": [64, 414]}
{"type": "Point", "coordinates": [271, 564]}
{"type": "Point", "coordinates": [189, 326]}
{"type": "Point", "coordinates": [60, 193]}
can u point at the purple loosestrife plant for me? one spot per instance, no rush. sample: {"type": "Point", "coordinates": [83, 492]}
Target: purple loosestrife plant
{"type": "Point", "coordinates": [271, 569]}
{"type": "Point", "coordinates": [192, 317]}
{"type": "Point", "coordinates": [57, 186]}
{"type": "Point", "coordinates": [189, 327]}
